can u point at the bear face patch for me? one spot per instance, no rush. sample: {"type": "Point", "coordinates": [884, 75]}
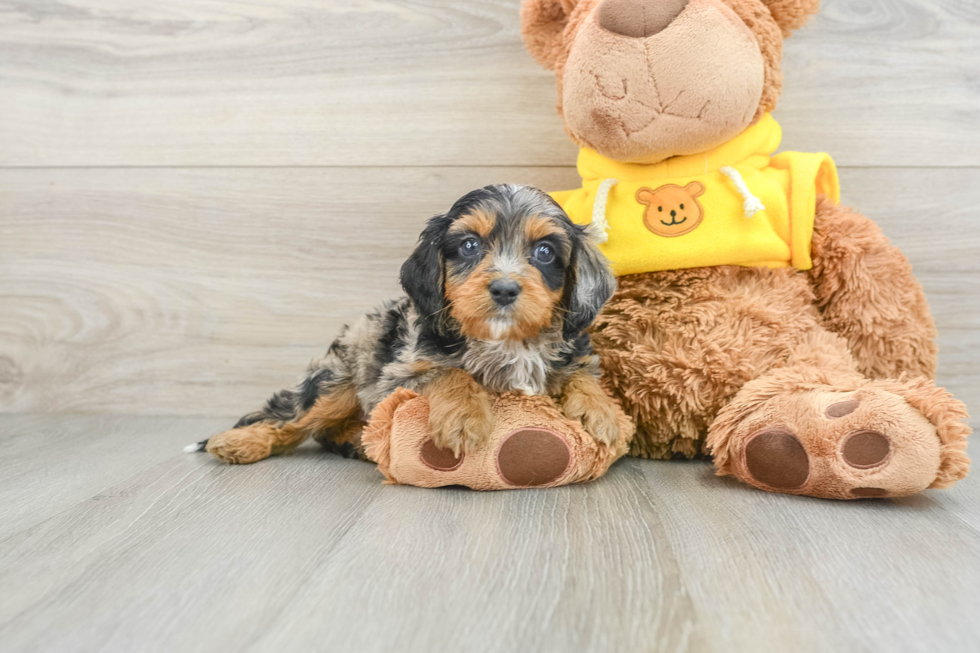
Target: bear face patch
{"type": "Point", "coordinates": [672, 210]}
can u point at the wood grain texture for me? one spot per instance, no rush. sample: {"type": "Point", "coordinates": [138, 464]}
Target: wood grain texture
{"type": "Point", "coordinates": [885, 83]}
{"type": "Point", "coordinates": [202, 291]}
{"type": "Point", "coordinates": [50, 463]}
{"type": "Point", "coordinates": [434, 82]}
{"type": "Point", "coordinates": [899, 575]}
{"type": "Point", "coordinates": [311, 552]}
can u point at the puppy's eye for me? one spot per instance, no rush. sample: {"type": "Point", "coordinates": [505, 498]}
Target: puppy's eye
{"type": "Point", "coordinates": [544, 253]}
{"type": "Point", "coordinates": [469, 248]}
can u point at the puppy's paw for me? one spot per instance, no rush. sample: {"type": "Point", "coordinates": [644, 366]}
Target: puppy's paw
{"type": "Point", "coordinates": [242, 446]}
{"type": "Point", "coordinates": [596, 413]}
{"type": "Point", "coordinates": [461, 424]}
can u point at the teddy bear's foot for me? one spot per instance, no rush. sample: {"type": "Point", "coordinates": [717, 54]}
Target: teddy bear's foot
{"type": "Point", "coordinates": [532, 445]}
{"type": "Point", "coordinates": [875, 441]}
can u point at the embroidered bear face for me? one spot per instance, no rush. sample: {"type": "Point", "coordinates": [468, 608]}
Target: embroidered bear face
{"type": "Point", "coordinates": [672, 210]}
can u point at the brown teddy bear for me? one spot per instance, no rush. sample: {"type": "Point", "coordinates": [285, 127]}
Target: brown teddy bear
{"type": "Point", "coordinates": [756, 320]}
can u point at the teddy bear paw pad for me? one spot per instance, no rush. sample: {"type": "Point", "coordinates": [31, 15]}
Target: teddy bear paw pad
{"type": "Point", "coordinates": [775, 457]}
{"type": "Point", "coordinates": [869, 492]}
{"type": "Point", "coordinates": [443, 460]}
{"type": "Point", "coordinates": [842, 408]}
{"type": "Point", "coordinates": [865, 449]}
{"type": "Point", "coordinates": [531, 457]}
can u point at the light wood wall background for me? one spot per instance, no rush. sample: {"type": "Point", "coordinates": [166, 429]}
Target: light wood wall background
{"type": "Point", "coordinates": [196, 194]}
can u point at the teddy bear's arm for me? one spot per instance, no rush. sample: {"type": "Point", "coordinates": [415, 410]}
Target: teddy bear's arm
{"type": "Point", "coordinates": [868, 295]}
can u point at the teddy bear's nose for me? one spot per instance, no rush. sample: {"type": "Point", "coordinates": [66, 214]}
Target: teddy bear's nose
{"type": "Point", "coordinates": [639, 18]}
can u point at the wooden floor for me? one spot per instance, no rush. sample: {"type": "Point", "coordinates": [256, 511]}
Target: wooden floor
{"type": "Point", "coordinates": [110, 540]}
{"type": "Point", "coordinates": [195, 196]}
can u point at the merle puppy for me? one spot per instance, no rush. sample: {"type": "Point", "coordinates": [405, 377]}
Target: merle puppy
{"type": "Point", "coordinates": [499, 291]}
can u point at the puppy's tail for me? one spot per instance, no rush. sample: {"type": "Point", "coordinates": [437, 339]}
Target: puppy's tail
{"type": "Point", "coordinates": [197, 446]}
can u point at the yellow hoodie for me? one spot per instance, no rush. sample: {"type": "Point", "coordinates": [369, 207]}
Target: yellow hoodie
{"type": "Point", "coordinates": [734, 205]}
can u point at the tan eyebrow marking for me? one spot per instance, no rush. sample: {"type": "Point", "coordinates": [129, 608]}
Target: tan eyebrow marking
{"type": "Point", "coordinates": [479, 222]}
{"type": "Point", "coordinates": [537, 227]}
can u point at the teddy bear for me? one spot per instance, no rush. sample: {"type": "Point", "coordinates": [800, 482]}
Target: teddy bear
{"type": "Point", "coordinates": [757, 321]}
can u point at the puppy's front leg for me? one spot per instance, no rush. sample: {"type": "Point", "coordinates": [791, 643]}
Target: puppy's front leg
{"type": "Point", "coordinates": [459, 411]}
{"type": "Point", "coordinates": [584, 400]}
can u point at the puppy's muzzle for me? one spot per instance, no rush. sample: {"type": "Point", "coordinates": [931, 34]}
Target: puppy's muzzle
{"type": "Point", "coordinates": [504, 291]}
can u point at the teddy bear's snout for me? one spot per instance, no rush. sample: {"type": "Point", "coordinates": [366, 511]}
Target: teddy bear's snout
{"type": "Point", "coordinates": [639, 18]}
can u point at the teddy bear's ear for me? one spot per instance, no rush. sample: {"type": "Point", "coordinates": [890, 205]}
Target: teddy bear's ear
{"type": "Point", "coordinates": [644, 196]}
{"type": "Point", "coordinates": [542, 24]}
{"type": "Point", "coordinates": [792, 14]}
{"type": "Point", "coordinates": [695, 188]}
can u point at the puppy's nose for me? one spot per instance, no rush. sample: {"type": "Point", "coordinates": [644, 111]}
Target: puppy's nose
{"type": "Point", "coordinates": [673, 213]}
{"type": "Point", "coordinates": [504, 291]}
{"type": "Point", "coordinates": [639, 18]}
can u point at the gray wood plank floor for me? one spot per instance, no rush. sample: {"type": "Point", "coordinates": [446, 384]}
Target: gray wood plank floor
{"type": "Point", "coordinates": [195, 196]}
{"type": "Point", "coordinates": [140, 548]}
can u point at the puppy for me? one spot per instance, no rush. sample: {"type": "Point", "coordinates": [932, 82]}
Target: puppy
{"type": "Point", "coordinates": [499, 292]}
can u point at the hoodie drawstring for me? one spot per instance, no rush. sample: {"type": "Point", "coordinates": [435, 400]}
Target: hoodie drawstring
{"type": "Point", "coordinates": [599, 226]}
{"type": "Point", "coordinates": [752, 204]}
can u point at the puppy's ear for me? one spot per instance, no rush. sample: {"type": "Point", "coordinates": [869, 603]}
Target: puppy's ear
{"type": "Point", "coordinates": [422, 274]}
{"type": "Point", "coordinates": [542, 24]}
{"type": "Point", "coordinates": [792, 14]}
{"type": "Point", "coordinates": [591, 284]}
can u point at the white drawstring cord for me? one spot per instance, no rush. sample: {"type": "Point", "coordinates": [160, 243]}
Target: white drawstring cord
{"type": "Point", "coordinates": [599, 225]}
{"type": "Point", "coordinates": [752, 204]}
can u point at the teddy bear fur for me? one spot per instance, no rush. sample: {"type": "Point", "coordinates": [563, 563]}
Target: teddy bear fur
{"type": "Point", "coordinates": [705, 359]}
